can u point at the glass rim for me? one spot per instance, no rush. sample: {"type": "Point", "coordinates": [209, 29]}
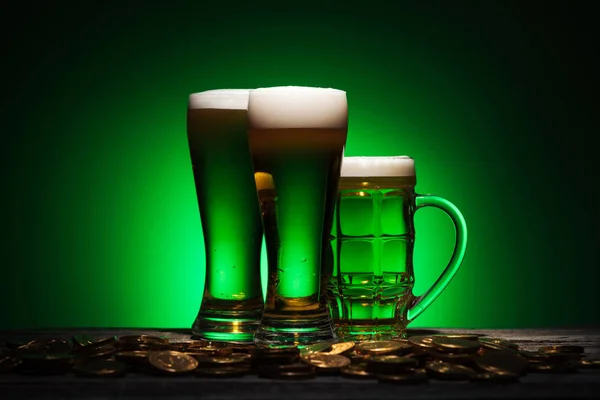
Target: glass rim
{"type": "Point", "coordinates": [377, 166]}
{"type": "Point", "coordinates": [219, 99]}
{"type": "Point", "coordinates": [379, 157]}
{"type": "Point", "coordinates": [276, 90]}
{"type": "Point", "coordinates": [221, 93]}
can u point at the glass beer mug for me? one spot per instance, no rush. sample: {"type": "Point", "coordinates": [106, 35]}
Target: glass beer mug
{"type": "Point", "coordinates": [370, 288]}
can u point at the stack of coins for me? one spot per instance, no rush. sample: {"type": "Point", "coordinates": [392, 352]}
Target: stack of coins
{"type": "Point", "coordinates": [285, 362]}
{"type": "Point", "coordinates": [418, 359]}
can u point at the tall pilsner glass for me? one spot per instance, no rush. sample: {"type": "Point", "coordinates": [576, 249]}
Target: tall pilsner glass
{"type": "Point", "coordinates": [232, 302]}
{"type": "Point", "coordinates": [297, 136]}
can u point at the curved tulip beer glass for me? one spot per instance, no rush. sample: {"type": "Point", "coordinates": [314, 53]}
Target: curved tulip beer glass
{"type": "Point", "coordinates": [370, 290]}
{"type": "Point", "coordinates": [232, 302]}
{"type": "Point", "coordinates": [297, 136]}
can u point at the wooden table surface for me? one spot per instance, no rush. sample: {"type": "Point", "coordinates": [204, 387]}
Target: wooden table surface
{"type": "Point", "coordinates": [584, 384]}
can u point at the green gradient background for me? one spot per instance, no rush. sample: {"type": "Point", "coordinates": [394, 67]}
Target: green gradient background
{"type": "Point", "coordinates": [494, 101]}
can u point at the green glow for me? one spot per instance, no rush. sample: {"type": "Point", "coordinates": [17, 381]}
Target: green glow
{"type": "Point", "coordinates": [99, 213]}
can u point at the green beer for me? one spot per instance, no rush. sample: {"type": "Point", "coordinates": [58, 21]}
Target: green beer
{"type": "Point", "coordinates": [297, 136]}
{"type": "Point", "coordinates": [232, 301]}
{"type": "Point", "coordinates": [370, 290]}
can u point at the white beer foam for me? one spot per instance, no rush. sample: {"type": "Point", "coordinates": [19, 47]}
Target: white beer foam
{"type": "Point", "coordinates": [297, 107]}
{"type": "Point", "coordinates": [264, 181]}
{"type": "Point", "coordinates": [377, 166]}
{"type": "Point", "coordinates": [222, 99]}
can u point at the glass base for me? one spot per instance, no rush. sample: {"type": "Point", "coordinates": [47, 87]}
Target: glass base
{"type": "Point", "coordinates": [366, 332]}
{"type": "Point", "coordinates": [232, 326]}
{"type": "Point", "coordinates": [294, 331]}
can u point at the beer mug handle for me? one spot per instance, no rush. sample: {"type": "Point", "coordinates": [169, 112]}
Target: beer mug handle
{"type": "Point", "coordinates": [420, 303]}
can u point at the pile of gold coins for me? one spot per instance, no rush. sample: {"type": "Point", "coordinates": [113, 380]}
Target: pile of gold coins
{"type": "Point", "coordinates": [413, 360]}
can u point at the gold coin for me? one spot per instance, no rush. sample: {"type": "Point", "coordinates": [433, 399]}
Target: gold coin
{"type": "Point", "coordinates": [589, 364]}
{"type": "Point", "coordinates": [242, 348]}
{"type": "Point", "coordinates": [451, 357]}
{"type": "Point", "coordinates": [179, 346]}
{"type": "Point", "coordinates": [406, 347]}
{"type": "Point", "coordinates": [267, 355]}
{"type": "Point", "coordinates": [132, 355]}
{"type": "Point", "coordinates": [377, 348]}
{"type": "Point", "coordinates": [392, 359]}
{"type": "Point", "coordinates": [98, 346]}
{"type": "Point", "coordinates": [326, 361]}
{"type": "Point", "coordinates": [461, 336]}
{"type": "Point", "coordinates": [355, 357]}
{"type": "Point", "coordinates": [356, 371]}
{"type": "Point", "coordinates": [553, 367]}
{"type": "Point", "coordinates": [450, 345]}
{"type": "Point", "coordinates": [400, 340]}
{"type": "Point", "coordinates": [494, 345]}
{"type": "Point", "coordinates": [93, 351]}
{"type": "Point", "coordinates": [298, 370]}
{"type": "Point", "coordinates": [109, 340]}
{"type": "Point", "coordinates": [58, 346]}
{"type": "Point", "coordinates": [47, 358]}
{"type": "Point", "coordinates": [534, 355]}
{"type": "Point", "coordinates": [150, 346]}
{"type": "Point", "coordinates": [390, 364]}
{"type": "Point", "coordinates": [558, 358]}
{"type": "Point", "coordinates": [36, 344]}
{"type": "Point", "coordinates": [208, 351]}
{"type": "Point", "coordinates": [7, 363]}
{"type": "Point", "coordinates": [315, 348]}
{"type": "Point", "coordinates": [418, 354]}
{"type": "Point", "coordinates": [502, 361]}
{"type": "Point", "coordinates": [541, 367]}
{"type": "Point", "coordinates": [82, 340]}
{"type": "Point", "coordinates": [145, 339]}
{"type": "Point", "coordinates": [211, 343]}
{"type": "Point", "coordinates": [501, 343]}
{"type": "Point", "coordinates": [221, 360]}
{"type": "Point", "coordinates": [267, 351]}
{"type": "Point", "coordinates": [276, 359]}
{"type": "Point", "coordinates": [561, 349]}
{"type": "Point", "coordinates": [295, 375]}
{"type": "Point", "coordinates": [200, 343]}
{"type": "Point", "coordinates": [339, 348]}
{"type": "Point", "coordinates": [420, 341]}
{"type": "Point", "coordinates": [449, 371]}
{"type": "Point", "coordinates": [172, 361]}
{"type": "Point", "coordinates": [136, 358]}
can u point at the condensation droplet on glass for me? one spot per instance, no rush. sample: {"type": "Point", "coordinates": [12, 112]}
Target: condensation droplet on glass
{"type": "Point", "coordinates": [303, 260]}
